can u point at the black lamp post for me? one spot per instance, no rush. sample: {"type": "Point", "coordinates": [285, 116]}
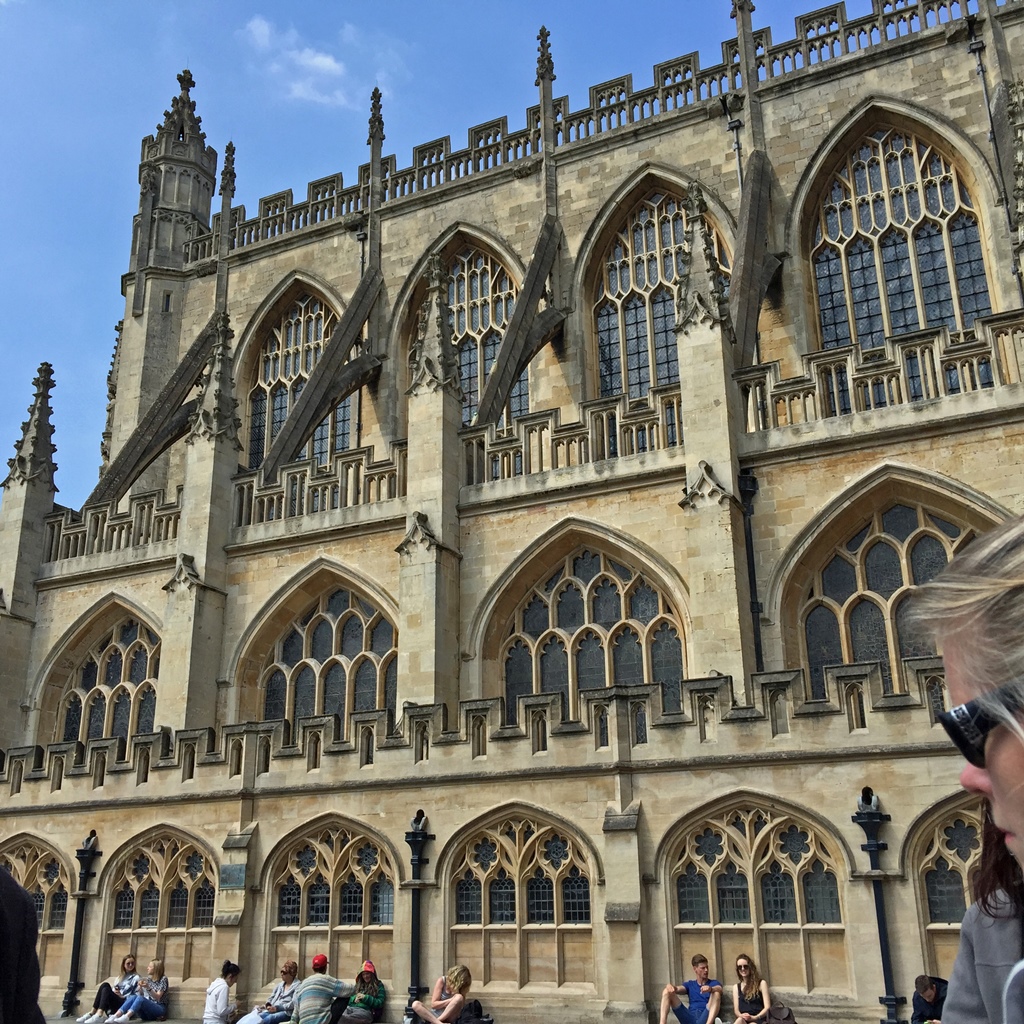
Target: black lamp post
{"type": "Point", "coordinates": [871, 819]}
{"type": "Point", "coordinates": [417, 838]}
{"type": "Point", "coordinates": [85, 854]}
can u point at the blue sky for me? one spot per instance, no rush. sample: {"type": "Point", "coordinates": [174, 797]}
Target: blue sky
{"type": "Point", "coordinates": [83, 82]}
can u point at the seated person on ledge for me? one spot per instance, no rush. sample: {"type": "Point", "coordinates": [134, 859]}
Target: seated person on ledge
{"type": "Point", "coordinates": [704, 994]}
{"type": "Point", "coordinates": [929, 999]}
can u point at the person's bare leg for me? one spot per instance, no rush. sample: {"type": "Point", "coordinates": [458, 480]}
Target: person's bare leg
{"type": "Point", "coordinates": [714, 1005]}
{"type": "Point", "coordinates": [453, 1010]}
{"type": "Point", "coordinates": [669, 1000]}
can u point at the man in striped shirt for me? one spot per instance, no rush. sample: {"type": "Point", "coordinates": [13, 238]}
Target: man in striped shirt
{"type": "Point", "coordinates": [320, 999]}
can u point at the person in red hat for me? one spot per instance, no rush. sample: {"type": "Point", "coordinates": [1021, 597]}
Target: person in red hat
{"type": "Point", "coordinates": [320, 999]}
{"type": "Point", "coordinates": [367, 1002]}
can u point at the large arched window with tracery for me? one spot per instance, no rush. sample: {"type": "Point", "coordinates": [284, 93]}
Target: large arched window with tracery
{"type": "Point", "coordinates": [481, 297]}
{"type": "Point", "coordinates": [520, 903]}
{"type": "Point", "coordinates": [856, 608]}
{"type": "Point", "coordinates": [333, 890]}
{"type": "Point", "coordinates": [592, 622]}
{"type": "Point", "coordinates": [947, 852]}
{"type": "Point", "coordinates": [897, 244]}
{"type": "Point", "coordinates": [37, 868]}
{"type": "Point", "coordinates": [114, 686]}
{"type": "Point", "coordinates": [634, 311]}
{"type": "Point", "coordinates": [292, 346]}
{"type": "Point", "coordinates": [162, 894]}
{"type": "Point", "coordinates": [761, 879]}
{"type": "Point", "coordinates": [340, 655]}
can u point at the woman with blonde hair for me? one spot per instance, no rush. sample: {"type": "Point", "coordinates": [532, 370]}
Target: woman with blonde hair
{"type": "Point", "coordinates": [448, 997]}
{"type": "Point", "coordinates": [150, 1002]}
{"type": "Point", "coordinates": [975, 609]}
{"type": "Point", "coordinates": [750, 997]}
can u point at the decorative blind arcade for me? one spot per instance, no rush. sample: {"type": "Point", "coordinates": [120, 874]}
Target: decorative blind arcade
{"type": "Point", "coordinates": [292, 348]}
{"type": "Point", "coordinates": [634, 313]}
{"type": "Point", "coordinates": [897, 246]}
{"type": "Point", "coordinates": [592, 622]}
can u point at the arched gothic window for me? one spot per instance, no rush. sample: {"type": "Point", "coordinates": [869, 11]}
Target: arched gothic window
{"type": "Point", "coordinates": [897, 244]}
{"type": "Point", "coordinates": [591, 623]}
{"type": "Point", "coordinates": [855, 607]}
{"type": "Point", "coordinates": [339, 656]}
{"type": "Point", "coordinates": [948, 854]}
{"type": "Point", "coordinates": [634, 311]}
{"type": "Point", "coordinates": [162, 890]}
{"type": "Point", "coordinates": [37, 868]}
{"type": "Point", "coordinates": [335, 888]}
{"type": "Point", "coordinates": [481, 297]}
{"type": "Point", "coordinates": [521, 904]}
{"type": "Point", "coordinates": [292, 347]}
{"type": "Point", "coordinates": [758, 878]}
{"type": "Point", "coordinates": [113, 693]}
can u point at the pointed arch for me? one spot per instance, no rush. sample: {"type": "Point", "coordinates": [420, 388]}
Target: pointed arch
{"type": "Point", "coordinates": [45, 873]}
{"type": "Point", "coordinates": [524, 572]}
{"type": "Point", "coordinates": [65, 658]}
{"type": "Point", "coordinates": [291, 600]}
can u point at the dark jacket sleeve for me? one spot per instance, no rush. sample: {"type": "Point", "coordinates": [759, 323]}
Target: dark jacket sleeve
{"type": "Point", "coordinates": [19, 1002]}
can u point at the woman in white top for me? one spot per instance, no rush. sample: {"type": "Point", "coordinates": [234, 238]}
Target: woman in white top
{"type": "Point", "coordinates": [218, 1010]}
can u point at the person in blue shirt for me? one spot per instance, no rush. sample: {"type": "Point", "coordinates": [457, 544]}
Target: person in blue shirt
{"type": "Point", "coordinates": [704, 995]}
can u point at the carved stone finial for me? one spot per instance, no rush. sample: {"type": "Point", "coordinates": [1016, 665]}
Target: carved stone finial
{"type": "Point", "coordinates": [185, 574]}
{"type": "Point", "coordinates": [432, 363]}
{"type": "Point", "coordinates": [419, 534]}
{"type": "Point", "coordinates": [376, 118]}
{"type": "Point", "coordinates": [738, 5]}
{"type": "Point", "coordinates": [545, 64]}
{"type": "Point", "coordinates": [216, 415]}
{"type": "Point", "coordinates": [33, 460]}
{"type": "Point", "coordinates": [227, 174]}
{"type": "Point", "coordinates": [1015, 110]}
{"type": "Point", "coordinates": [181, 120]}
{"type": "Point", "coordinates": [705, 490]}
{"type": "Point", "coordinates": [700, 297]}
{"type": "Point", "coordinates": [148, 180]}
{"type": "Point", "coordinates": [108, 427]}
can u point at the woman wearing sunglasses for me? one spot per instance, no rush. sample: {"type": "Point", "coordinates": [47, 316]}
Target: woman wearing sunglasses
{"type": "Point", "coordinates": [975, 608]}
{"type": "Point", "coordinates": [750, 999]}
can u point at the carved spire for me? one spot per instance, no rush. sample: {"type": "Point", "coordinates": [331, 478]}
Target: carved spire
{"type": "Point", "coordinates": [432, 364]}
{"type": "Point", "coordinates": [738, 5]}
{"type": "Point", "coordinates": [227, 174]}
{"type": "Point", "coordinates": [1016, 116]}
{"type": "Point", "coordinates": [376, 118]}
{"type": "Point", "coordinates": [216, 415]}
{"type": "Point", "coordinates": [700, 297]}
{"type": "Point", "coordinates": [108, 427]}
{"type": "Point", "coordinates": [33, 460]}
{"type": "Point", "coordinates": [545, 65]}
{"type": "Point", "coordinates": [181, 120]}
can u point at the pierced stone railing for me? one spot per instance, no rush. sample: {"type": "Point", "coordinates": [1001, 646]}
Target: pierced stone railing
{"type": "Point", "coordinates": [101, 528]}
{"type": "Point", "coordinates": [306, 488]}
{"type": "Point", "coordinates": [609, 428]}
{"type": "Point", "coordinates": [821, 37]}
{"type": "Point", "coordinates": [910, 368]}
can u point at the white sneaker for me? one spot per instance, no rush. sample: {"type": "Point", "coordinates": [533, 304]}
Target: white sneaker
{"type": "Point", "coordinates": [85, 1016]}
{"type": "Point", "coordinates": [97, 1017]}
{"type": "Point", "coordinates": [114, 1018]}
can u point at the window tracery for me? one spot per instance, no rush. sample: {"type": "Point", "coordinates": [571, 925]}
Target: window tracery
{"type": "Point", "coordinates": [334, 886]}
{"type": "Point", "coordinates": [163, 890]}
{"type": "Point", "coordinates": [292, 348]}
{"type": "Point", "coordinates": [114, 686]}
{"type": "Point", "coordinates": [634, 312]}
{"type": "Point", "coordinates": [897, 244]}
{"type": "Point", "coordinates": [481, 298]}
{"type": "Point", "coordinates": [593, 622]}
{"type": "Point", "coordinates": [762, 873]}
{"type": "Point", "coordinates": [856, 607]}
{"type": "Point", "coordinates": [340, 656]}
{"type": "Point", "coordinates": [37, 869]}
{"type": "Point", "coordinates": [521, 900]}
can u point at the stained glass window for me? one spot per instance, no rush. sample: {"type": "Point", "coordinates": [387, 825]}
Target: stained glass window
{"type": "Point", "coordinates": [502, 898]}
{"type": "Point", "coordinates": [692, 897]}
{"type": "Point", "coordinates": [945, 892]}
{"type": "Point", "coordinates": [468, 904]}
{"type": "Point", "coordinates": [540, 899]}
{"type": "Point", "coordinates": [733, 897]}
{"type": "Point", "coordinates": [821, 895]}
{"type": "Point", "coordinates": [884, 263]}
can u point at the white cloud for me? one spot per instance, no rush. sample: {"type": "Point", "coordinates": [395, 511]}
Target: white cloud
{"type": "Point", "coordinates": [303, 89]}
{"type": "Point", "coordinates": [259, 30]}
{"type": "Point", "coordinates": [316, 61]}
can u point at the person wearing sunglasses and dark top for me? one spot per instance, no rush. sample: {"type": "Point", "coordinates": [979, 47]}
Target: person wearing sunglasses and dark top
{"type": "Point", "coordinates": [975, 610]}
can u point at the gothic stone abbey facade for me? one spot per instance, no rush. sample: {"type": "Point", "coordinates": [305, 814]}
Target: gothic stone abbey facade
{"type": "Point", "coordinates": [569, 486]}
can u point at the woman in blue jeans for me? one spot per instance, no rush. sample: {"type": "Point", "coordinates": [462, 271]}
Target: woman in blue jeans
{"type": "Point", "coordinates": [278, 1008]}
{"type": "Point", "coordinates": [150, 1002]}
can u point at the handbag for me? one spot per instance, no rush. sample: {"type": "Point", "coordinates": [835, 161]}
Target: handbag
{"type": "Point", "coordinates": [779, 1012]}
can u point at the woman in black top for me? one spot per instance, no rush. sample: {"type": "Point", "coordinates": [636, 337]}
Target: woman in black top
{"type": "Point", "coordinates": [750, 998]}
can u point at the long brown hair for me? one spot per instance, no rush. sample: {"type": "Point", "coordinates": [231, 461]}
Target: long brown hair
{"type": "Point", "coordinates": [752, 983]}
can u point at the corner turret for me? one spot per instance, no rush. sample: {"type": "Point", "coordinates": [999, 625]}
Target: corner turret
{"type": "Point", "coordinates": [177, 177]}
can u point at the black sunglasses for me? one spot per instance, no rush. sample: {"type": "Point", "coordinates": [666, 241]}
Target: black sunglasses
{"type": "Point", "coordinates": [968, 725]}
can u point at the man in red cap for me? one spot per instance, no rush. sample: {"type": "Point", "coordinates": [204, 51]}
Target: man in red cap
{"type": "Point", "coordinates": [320, 999]}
